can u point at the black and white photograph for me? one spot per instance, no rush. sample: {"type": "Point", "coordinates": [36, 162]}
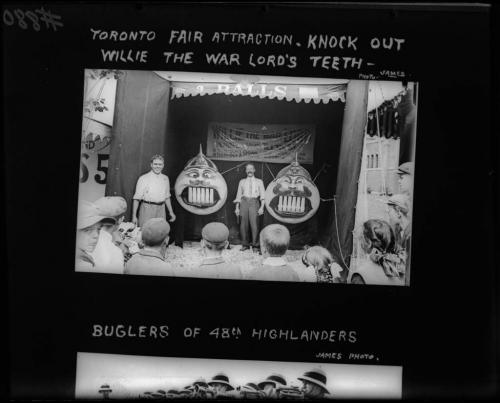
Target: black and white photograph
{"type": "Point", "coordinates": [250, 200]}
{"type": "Point", "coordinates": [242, 177]}
{"type": "Point", "coordinates": [113, 376]}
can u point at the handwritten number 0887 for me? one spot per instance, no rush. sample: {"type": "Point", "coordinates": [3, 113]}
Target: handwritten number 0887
{"type": "Point", "coordinates": [26, 18]}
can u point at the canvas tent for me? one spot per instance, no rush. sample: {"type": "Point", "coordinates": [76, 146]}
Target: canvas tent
{"type": "Point", "coordinates": [144, 126]}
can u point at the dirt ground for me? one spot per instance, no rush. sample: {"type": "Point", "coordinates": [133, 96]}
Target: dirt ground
{"type": "Point", "coordinates": [190, 257]}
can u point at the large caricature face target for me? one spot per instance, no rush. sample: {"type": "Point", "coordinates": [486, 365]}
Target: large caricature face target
{"type": "Point", "coordinates": [292, 197]}
{"type": "Point", "coordinates": [200, 188]}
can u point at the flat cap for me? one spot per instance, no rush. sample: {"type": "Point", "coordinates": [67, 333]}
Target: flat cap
{"type": "Point", "coordinates": [155, 230]}
{"type": "Point", "coordinates": [401, 201]}
{"type": "Point", "coordinates": [406, 168]}
{"type": "Point", "coordinates": [215, 232]}
{"type": "Point", "coordinates": [113, 206]}
{"type": "Point", "coordinates": [88, 215]}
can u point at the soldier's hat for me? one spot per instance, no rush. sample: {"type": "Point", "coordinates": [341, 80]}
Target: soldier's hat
{"type": "Point", "coordinates": [276, 379]}
{"type": "Point", "coordinates": [201, 161]}
{"type": "Point", "coordinates": [222, 379]}
{"type": "Point", "coordinates": [201, 382]}
{"type": "Point", "coordinates": [317, 377]}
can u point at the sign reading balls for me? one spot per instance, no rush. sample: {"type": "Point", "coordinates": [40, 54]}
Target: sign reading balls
{"type": "Point", "coordinates": [292, 197]}
{"type": "Point", "coordinates": [200, 188]}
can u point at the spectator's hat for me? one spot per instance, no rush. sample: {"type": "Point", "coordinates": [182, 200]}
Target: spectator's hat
{"type": "Point", "coordinates": [252, 386]}
{"type": "Point", "coordinates": [222, 379]}
{"type": "Point", "coordinates": [406, 168]}
{"type": "Point", "coordinates": [88, 215]}
{"type": "Point", "coordinates": [401, 201]}
{"type": "Point", "coordinates": [276, 379]}
{"type": "Point", "coordinates": [112, 206]}
{"type": "Point", "coordinates": [187, 391]}
{"type": "Point", "coordinates": [155, 230]}
{"type": "Point", "coordinates": [215, 232]}
{"type": "Point", "coordinates": [315, 376]}
{"type": "Point", "coordinates": [172, 393]}
{"type": "Point", "coordinates": [201, 382]}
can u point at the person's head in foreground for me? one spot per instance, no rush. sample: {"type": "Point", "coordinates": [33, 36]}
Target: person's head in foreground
{"type": "Point", "coordinates": [314, 384]}
{"type": "Point", "coordinates": [157, 164]}
{"type": "Point", "coordinates": [154, 234]}
{"type": "Point", "coordinates": [271, 383]}
{"type": "Point", "coordinates": [405, 172]}
{"type": "Point", "coordinates": [398, 210]}
{"type": "Point", "coordinates": [274, 240]}
{"type": "Point", "coordinates": [88, 226]}
{"type": "Point", "coordinates": [320, 259]}
{"type": "Point", "coordinates": [378, 241]}
{"type": "Point", "coordinates": [220, 383]}
{"type": "Point", "coordinates": [214, 238]}
{"type": "Point", "coordinates": [114, 207]}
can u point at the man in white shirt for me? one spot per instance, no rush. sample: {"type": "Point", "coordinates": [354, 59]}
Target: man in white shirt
{"type": "Point", "coordinates": [152, 193]}
{"type": "Point", "coordinates": [249, 205]}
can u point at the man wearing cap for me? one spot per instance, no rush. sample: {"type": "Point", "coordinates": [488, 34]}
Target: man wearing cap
{"type": "Point", "coordinates": [220, 384]}
{"type": "Point", "coordinates": [249, 205]}
{"type": "Point", "coordinates": [398, 211]}
{"type": "Point", "coordinates": [406, 172]}
{"type": "Point", "coordinates": [152, 193]}
{"type": "Point", "coordinates": [88, 226]}
{"type": "Point", "coordinates": [214, 241]}
{"type": "Point", "coordinates": [150, 261]}
{"type": "Point", "coordinates": [108, 257]}
{"type": "Point", "coordinates": [314, 384]}
{"type": "Point", "coordinates": [271, 385]}
{"type": "Point", "coordinates": [274, 241]}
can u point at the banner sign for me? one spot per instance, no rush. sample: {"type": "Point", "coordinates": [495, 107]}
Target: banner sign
{"type": "Point", "coordinates": [259, 142]}
{"type": "Point", "coordinates": [297, 93]}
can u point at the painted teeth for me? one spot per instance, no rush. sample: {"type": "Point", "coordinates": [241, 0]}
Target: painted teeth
{"type": "Point", "coordinates": [198, 195]}
{"type": "Point", "coordinates": [291, 204]}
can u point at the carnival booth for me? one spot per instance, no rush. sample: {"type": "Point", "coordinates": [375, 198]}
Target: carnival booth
{"type": "Point", "coordinates": [305, 132]}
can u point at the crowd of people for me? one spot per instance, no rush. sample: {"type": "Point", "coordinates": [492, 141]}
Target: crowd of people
{"type": "Point", "coordinates": [275, 386]}
{"type": "Point", "coordinates": [386, 244]}
{"type": "Point", "coordinates": [103, 245]}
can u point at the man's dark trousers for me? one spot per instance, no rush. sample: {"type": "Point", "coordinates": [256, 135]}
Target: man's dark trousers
{"type": "Point", "coordinates": [249, 215]}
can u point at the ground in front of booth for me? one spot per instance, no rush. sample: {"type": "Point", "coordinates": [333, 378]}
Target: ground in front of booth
{"type": "Point", "coordinates": [190, 256]}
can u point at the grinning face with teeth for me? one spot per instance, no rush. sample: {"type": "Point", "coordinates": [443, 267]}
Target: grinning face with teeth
{"type": "Point", "coordinates": [200, 188]}
{"type": "Point", "coordinates": [292, 197]}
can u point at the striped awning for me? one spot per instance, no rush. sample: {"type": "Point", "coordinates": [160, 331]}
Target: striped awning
{"type": "Point", "coordinates": [288, 92]}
